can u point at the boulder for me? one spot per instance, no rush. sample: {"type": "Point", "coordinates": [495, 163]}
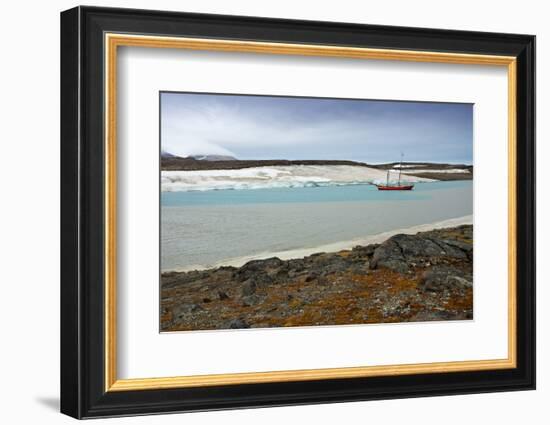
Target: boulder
{"type": "Point", "coordinates": [388, 255]}
{"type": "Point", "coordinates": [413, 246]}
{"type": "Point", "coordinates": [237, 324]}
{"type": "Point", "coordinates": [401, 251]}
{"type": "Point", "coordinates": [440, 278]}
{"type": "Point", "coordinates": [249, 287]}
{"type": "Point", "coordinates": [264, 272]}
{"type": "Point", "coordinates": [336, 264]}
{"type": "Point", "coordinates": [367, 250]}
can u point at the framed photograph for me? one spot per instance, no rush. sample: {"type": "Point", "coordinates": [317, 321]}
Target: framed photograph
{"type": "Point", "coordinates": [261, 212]}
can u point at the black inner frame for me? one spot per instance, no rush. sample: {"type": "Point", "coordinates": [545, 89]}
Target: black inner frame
{"type": "Point", "coordinates": [82, 207]}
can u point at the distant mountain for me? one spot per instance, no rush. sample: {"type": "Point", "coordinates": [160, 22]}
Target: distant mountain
{"type": "Point", "coordinates": [213, 163]}
{"type": "Point", "coordinates": [164, 154]}
{"type": "Point", "coordinates": [214, 158]}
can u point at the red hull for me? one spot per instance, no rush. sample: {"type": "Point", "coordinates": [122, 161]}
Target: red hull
{"type": "Point", "coordinates": [407, 187]}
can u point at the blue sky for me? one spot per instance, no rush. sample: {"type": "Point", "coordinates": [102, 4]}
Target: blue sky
{"type": "Point", "coordinates": [271, 127]}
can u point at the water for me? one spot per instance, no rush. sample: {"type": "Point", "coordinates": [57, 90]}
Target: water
{"type": "Point", "coordinates": [206, 228]}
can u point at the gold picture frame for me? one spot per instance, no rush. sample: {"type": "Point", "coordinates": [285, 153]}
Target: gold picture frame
{"type": "Point", "coordinates": [114, 41]}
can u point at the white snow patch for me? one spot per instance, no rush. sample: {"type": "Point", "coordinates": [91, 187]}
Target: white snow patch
{"type": "Point", "coordinates": [448, 170]}
{"type": "Point", "coordinates": [407, 165]}
{"type": "Point", "coordinates": [273, 177]}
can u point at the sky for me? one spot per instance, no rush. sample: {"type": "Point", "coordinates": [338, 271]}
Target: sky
{"type": "Point", "coordinates": [276, 127]}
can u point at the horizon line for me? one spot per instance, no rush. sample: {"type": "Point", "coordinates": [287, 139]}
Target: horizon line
{"type": "Point", "coordinates": [453, 162]}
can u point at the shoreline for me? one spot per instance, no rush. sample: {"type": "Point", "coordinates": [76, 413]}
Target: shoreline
{"type": "Point", "coordinates": [329, 248]}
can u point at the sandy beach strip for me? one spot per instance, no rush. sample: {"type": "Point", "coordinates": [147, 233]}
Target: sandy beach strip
{"type": "Point", "coordinates": [332, 247]}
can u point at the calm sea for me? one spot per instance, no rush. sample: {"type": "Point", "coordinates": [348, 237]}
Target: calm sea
{"type": "Point", "coordinates": [206, 228]}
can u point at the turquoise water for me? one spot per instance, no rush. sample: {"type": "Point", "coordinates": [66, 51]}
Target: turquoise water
{"type": "Point", "coordinates": [206, 228]}
{"type": "Point", "coordinates": [359, 192]}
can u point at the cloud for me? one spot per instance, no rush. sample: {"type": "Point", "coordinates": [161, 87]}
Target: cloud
{"type": "Point", "coordinates": [273, 127]}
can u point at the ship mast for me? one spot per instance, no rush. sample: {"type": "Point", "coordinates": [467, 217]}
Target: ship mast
{"type": "Point", "coordinates": [400, 167]}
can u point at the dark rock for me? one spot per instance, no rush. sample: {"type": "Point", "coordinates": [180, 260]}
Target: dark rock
{"type": "Point", "coordinates": [222, 295]}
{"type": "Point", "coordinates": [401, 251]}
{"type": "Point", "coordinates": [413, 246]}
{"type": "Point", "coordinates": [255, 267]}
{"type": "Point", "coordinates": [271, 263]}
{"type": "Point", "coordinates": [440, 278]}
{"type": "Point", "coordinates": [226, 268]}
{"type": "Point", "coordinates": [449, 250]}
{"type": "Point", "coordinates": [367, 250]}
{"type": "Point", "coordinates": [264, 272]}
{"type": "Point", "coordinates": [394, 264]}
{"type": "Point", "coordinates": [249, 287]}
{"type": "Point", "coordinates": [389, 255]}
{"type": "Point", "coordinates": [311, 277]}
{"type": "Point", "coordinates": [251, 300]}
{"type": "Point", "coordinates": [296, 265]}
{"type": "Point", "coordinates": [292, 274]}
{"type": "Point", "coordinates": [336, 265]}
{"type": "Point", "coordinates": [206, 300]}
{"type": "Point", "coordinates": [459, 282]}
{"type": "Point", "coordinates": [181, 310]}
{"type": "Point", "coordinates": [237, 324]}
{"type": "Point", "coordinates": [361, 269]}
{"type": "Point", "coordinates": [174, 279]}
{"type": "Point", "coordinates": [278, 274]}
{"type": "Point", "coordinates": [466, 247]}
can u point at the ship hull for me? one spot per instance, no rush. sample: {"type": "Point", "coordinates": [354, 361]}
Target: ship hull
{"type": "Point", "coordinates": [402, 187]}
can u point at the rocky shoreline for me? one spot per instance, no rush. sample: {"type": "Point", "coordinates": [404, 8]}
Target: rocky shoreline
{"type": "Point", "coordinates": [407, 278]}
